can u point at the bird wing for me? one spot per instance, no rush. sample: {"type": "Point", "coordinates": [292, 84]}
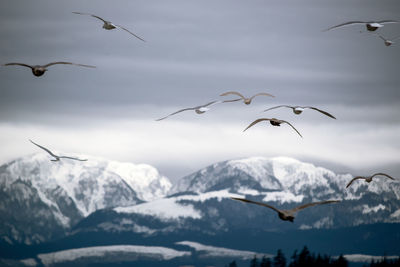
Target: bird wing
{"type": "Point", "coordinates": [255, 122]}
{"type": "Point", "coordinates": [176, 112]}
{"type": "Point", "coordinates": [344, 24]}
{"type": "Point", "coordinates": [233, 93]}
{"type": "Point", "coordinates": [119, 26]}
{"type": "Point", "coordinates": [209, 104]}
{"type": "Point", "coordinates": [232, 100]}
{"type": "Point", "coordinates": [355, 178]}
{"type": "Point", "coordinates": [380, 36]}
{"type": "Point", "coordinates": [292, 127]}
{"type": "Point", "coordinates": [323, 112]}
{"type": "Point", "coordinates": [19, 64]}
{"type": "Point", "coordinates": [65, 157]}
{"type": "Point", "coordinates": [265, 94]}
{"type": "Point", "coordinates": [45, 149]}
{"type": "Point", "coordinates": [383, 174]}
{"type": "Point", "coordinates": [68, 63]}
{"type": "Point", "coordinates": [97, 17]}
{"type": "Point", "coordinates": [313, 204]}
{"type": "Point", "coordinates": [387, 21]}
{"type": "Point", "coordinates": [257, 203]}
{"type": "Point", "coordinates": [395, 38]}
{"type": "Point", "coordinates": [286, 106]}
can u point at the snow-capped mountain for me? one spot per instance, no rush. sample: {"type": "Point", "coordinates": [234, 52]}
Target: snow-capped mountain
{"type": "Point", "coordinates": [40, 199]}
{"type": "Point", "coordinates": [202, 201]}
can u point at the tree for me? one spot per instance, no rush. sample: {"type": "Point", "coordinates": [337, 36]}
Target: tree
{"type": "Point", "coordinates": [254, 262]}
{"type": "Point", "coordinates": [279, 259]}
{"type": "Point", "coordinates": [340, 262]}
{"type": "Point", "coordinates": [265, 262]}
{"type": "Point", "coordinates": [233, 264]}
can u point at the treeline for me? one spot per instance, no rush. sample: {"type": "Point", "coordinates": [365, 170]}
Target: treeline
{"type": "Point", "coordinates": [308, 259]}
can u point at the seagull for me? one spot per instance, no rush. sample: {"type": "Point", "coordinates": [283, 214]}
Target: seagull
{"type": "Point", "coordinates": [199, 109]}
{"type": "Point", "coordinates": [108, 25]}
{"type": "Point", "coordinates": [298, 110]}
{"type": "Point", "coordinates": [371, 25]}
{"type": "Point", "coordinates": [387, 41]}
{"type": "Point", "coordinates": [247, 101]}
{"type": "Point", "coordinates": [287, 215]}
{"type": "Point", "coordinates": [56, 158]}
{"type": "Point", "coordinates": [39, 70]}
{"type": "Point", "coordinates": [368, 179]}
{"type": "Point", "coordinates": [273, 121]}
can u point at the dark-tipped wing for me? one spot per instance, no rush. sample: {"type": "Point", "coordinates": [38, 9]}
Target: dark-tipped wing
{"type": "Point", "coordinates": [265, 94]}
{"type": "Point", "coordinates": [255, 122]}
{"type": "Point", "coordinates": [322, 111]}
{"type": "Point", "coordinates": [355, 178]}
{"type": "Point", "coordinates": [18, 64]}
{"type": "Point", "coordinates": [67, 63]}
{"type": "Point", "coordinates": [45, 149]}
{"type": "Point", "coordinates": [233, 93]}
{"type": "Point", "coordinates": [292, 127]}
{"type": "Point", "coordinates": [383, 174]}
{"type": "Point", "coordinates": [119, 26]}
{"type": "Point", "coordinates": [345, 24]}
{"type": "Point", "coordinates": [65, 157]}
{"type": "Point", "coordinates": [257, 203]}
{"type": "Point", "coordinates": [97, 17]}
{"type": "Point", "coordinates": [176, 112]}
{"type": "Point", "coordinates": [387, 21]}
{"type": "Point", "coordinates": [280, 106]}
{"type": "Point", "coordinates": [313, 204]}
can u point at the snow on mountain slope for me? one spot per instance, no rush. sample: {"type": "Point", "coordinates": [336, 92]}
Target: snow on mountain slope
{"type": "Point", "coordinates": [215, 252]}
{"type": "Point", "coordinates": [64, 192]}
{"type": "Point", "coordinates": [290, 179]}
{"type": "Point", "coordinates": [117, 253]}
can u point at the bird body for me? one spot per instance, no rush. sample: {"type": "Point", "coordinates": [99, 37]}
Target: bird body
{"type": "Point", "coordinates": [370, 25]}
{"type": "Point", "coordinates": [287, 215]}
{"type": "Point", "coordinates": [273, 122]}
{"type": "Point", "coordinates": [247, 101]}
{"type": "Point", "coordinates": [56, 157]}
{"type": "Point", "coordinates": [368, 179]}
{"type": "Point", "coordinates": [39, 70]}
{"type": "Point", "coordinates": [108, 25]}
{"type": "Point", "coordinates": [299, 109]}
{"type": "Point", "coordinates": [387, 41]}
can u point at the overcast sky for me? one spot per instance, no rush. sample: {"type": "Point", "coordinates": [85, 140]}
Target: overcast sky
{"type": "Point", "coordinates": [194, 51]}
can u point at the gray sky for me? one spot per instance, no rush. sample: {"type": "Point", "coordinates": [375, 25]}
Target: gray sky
{"type": "Point", "coordinates": [196, 50]}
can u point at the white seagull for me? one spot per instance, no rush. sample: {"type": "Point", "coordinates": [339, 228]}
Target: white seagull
{"type": "Point", "coordinates": [299, 109]}
{"type": "Point", "coordinates": [108, 25]}
{"type": "Point", "coordinates": [56, 158]}
{"type": "Point", "coordinates": [39, 70]}
{"type": "Point", "coordinates": [274, 122]}
{"type": "Point", "coordinates": [247, 101]}
{"type": "Point", "coordinates": [368, 179]}
{"type": "Point", "coordinates": [387, 41]}
{"type": "Point", "coordinates": [371, 25]}
{"type": "Point", "coordinates": [287, 215]}
{"type": "Point", "coordinates": [198, 109]}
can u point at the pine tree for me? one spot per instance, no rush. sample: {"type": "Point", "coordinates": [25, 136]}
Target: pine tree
{"type": "Point", "coordinates": [279, 259]}
{"type": "Point", "coordinates": [233, 264]}
{"type": "Point", "coordinates": [265, 262]}
{"type": "Point", "coordinates": [254, 262]}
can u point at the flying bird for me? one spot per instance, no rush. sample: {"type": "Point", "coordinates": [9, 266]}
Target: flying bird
{"type": "Point", "coordinates": [371, 25]}
{"type": "Point", "coordinates": [274, 122]}
{"type": "Point", "coordinates": [108, 25]}
{"type": "Point", "coordinates": [199, 109]}
{"type": "Point", "coordinates": [56, 158]}
{"type": "Point", "coordinates": [368, 179]}
{"type": "Point", "coordinates": [298, 110]}
{"type": "Point", "coordinates": [247, 101]}
{"type": "Point", "coordinates": [39, 70]}
{"type": "Point", "coordinates": [387, 41]}
{"type": "Point", "coordinates": [287, 215]}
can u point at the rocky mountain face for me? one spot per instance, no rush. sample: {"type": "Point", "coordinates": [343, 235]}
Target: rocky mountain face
{"type": "Point", "coordinates": [41, 200]}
